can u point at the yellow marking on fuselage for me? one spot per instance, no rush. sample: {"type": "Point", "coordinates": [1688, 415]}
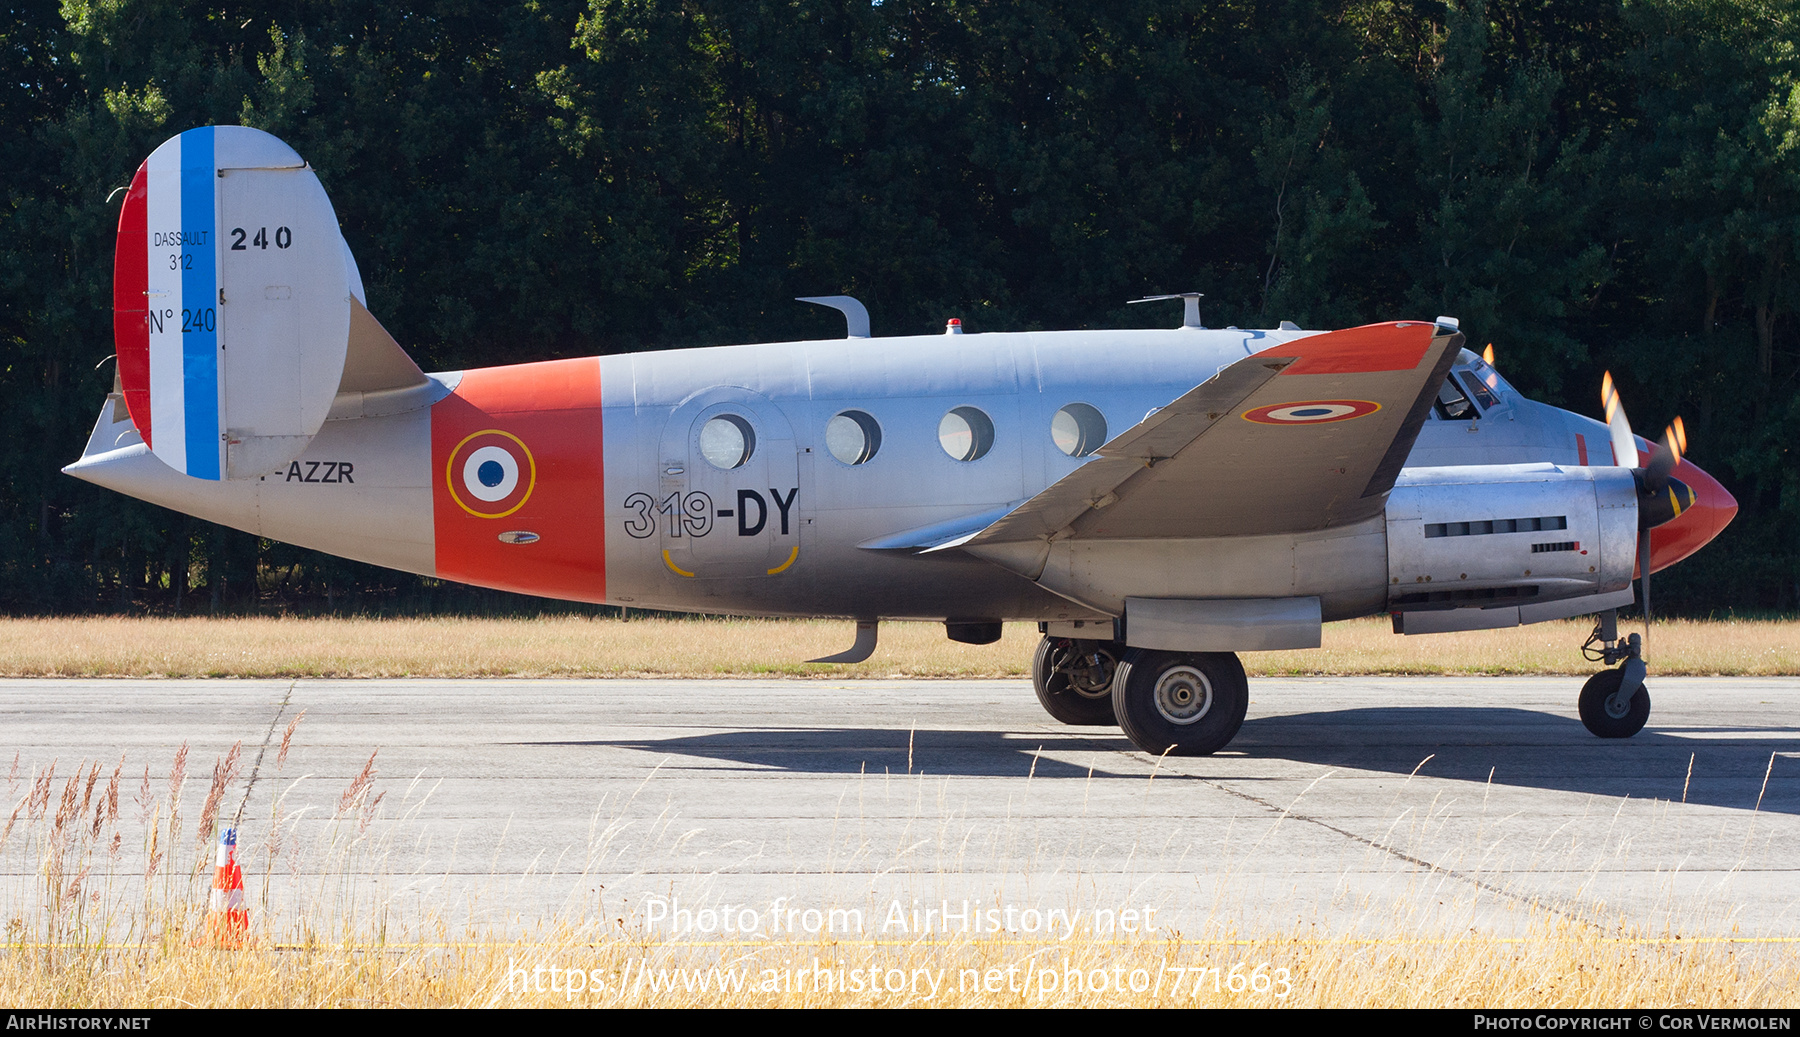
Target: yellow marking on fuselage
{"type": "Point", "coordinates": [792, 556]}
{"type": "Point", "coordinates": [676, 569]}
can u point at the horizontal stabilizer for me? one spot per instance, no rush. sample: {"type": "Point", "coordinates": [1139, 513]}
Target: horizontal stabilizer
{"type": "Point", "coordinates": [374, 362]}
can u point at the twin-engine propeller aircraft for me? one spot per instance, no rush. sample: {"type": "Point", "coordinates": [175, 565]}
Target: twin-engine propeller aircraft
{"type": "Point", "coordinates": [1156, 500]}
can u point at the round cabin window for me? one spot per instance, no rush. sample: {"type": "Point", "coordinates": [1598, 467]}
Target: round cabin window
{"type": "Point", "coordinates": [853, 437]}
{"type": "Point", "coordinates": [727, 441]}
{"type": "Point", "coordinates": [966, 434]}
{"type": "Point", "coordinates": [1078, 430]}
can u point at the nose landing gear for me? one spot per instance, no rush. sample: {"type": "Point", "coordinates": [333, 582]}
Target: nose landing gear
{"type": "Point", "coordinates": [1614, 703]}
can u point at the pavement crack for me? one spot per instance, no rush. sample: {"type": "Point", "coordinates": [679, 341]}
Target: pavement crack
{"type": "Point", "coordinates": [268, 736]}
{"type": "Point", "coordinates": [1429, 867]}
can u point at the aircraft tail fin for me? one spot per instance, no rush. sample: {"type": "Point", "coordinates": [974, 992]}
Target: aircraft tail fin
{"type": "Point", "coordinates": [237, 308]}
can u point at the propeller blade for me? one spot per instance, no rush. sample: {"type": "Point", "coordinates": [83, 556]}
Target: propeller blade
{"type": "Point", "coordinates": [1623, 445]}
{"type": "Point", "coordinates": [1644, 574]}
{"type": "Point", "coordinates": [1667, 456]}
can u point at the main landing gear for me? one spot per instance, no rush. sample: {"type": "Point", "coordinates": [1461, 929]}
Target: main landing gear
{"type": "Point", "coordinates": [1073, 679]}
{"type": "Point", "coordinates": [1167, 703]}
{"type": "Point", "coordinates": [1614, 703]}
{"type": "Point", "coordinates": [1180, 703]}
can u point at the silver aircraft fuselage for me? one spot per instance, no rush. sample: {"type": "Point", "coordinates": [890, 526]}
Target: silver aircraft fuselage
{"type": "Point", "coordinates": [614, 498]}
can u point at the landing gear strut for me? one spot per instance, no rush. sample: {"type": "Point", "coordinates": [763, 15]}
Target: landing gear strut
{"type": "Point", "coordinates": [1614, 703]}
{"type": "Point", "coordinates": [1073, 679]}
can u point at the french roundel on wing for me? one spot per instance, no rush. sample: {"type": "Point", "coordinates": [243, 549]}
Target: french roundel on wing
{"type": "Point", "coordinates": [1311, 412]}
{"type": "Point", "coordinates": [491, 473]}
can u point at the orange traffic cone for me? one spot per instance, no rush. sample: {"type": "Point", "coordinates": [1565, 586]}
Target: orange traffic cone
{"type": "Point", "coordinates": [227, 919]}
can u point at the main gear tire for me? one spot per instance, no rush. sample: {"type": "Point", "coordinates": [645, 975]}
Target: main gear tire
{"type": "Point", "coordinates": [1180, 703]}
{"type": "Point", "coordinates": [1081, 699]}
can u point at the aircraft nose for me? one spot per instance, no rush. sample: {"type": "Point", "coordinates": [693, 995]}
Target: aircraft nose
{"type": "Point", "coordinates": [1712, 511]}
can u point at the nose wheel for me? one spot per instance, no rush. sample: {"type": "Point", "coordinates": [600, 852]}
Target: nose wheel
{"type": "Point", "coordinates": [1614, 703]}
{"type": "Point", "coordinates": [1609, 714]}
{"type": "Point", "coordinates": [1073, 680]}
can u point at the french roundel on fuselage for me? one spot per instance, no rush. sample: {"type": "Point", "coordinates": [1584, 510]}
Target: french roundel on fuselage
{"type": "Point", "coordinates": [491, 473]}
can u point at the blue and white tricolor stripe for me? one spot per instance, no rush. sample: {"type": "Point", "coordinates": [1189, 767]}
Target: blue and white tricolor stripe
{"type": "Point", "coordinates": [182, 297]}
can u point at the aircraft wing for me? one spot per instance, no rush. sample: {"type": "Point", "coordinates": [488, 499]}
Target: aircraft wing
{"type": "Point", "coordinates": [1305, 435]}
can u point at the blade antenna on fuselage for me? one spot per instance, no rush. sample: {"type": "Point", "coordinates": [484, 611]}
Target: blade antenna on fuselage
{"type": "Point", "coordinates": [856, 315]}
{"type": "Point", "coordinates": [861, 649]}
{"type": "Point", "coordinates": [1190, 311]}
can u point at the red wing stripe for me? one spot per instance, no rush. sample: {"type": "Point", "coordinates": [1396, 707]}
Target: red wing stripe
{"type": "Point", "coordinates": [1373, 347]}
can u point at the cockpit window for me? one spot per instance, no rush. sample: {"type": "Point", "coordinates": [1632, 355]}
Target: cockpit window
{"type": "Point", "coordinates": [1483, 395]}
{"type": "Point", "coordinates": [1490, 377]}
{"type": "Point", "coordinates": [1452, 405]}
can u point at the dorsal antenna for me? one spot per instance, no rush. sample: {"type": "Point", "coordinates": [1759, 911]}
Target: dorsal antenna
{"type": "Point", "coordinates": [1190, 311]}
{"type": "Point", "coordinates": [856, 315]}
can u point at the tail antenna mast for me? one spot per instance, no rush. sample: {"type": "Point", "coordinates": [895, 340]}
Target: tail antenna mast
{"type": "Point", "coordinates": [1190, 311]}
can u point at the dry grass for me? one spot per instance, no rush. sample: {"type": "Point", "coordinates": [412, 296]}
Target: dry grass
{"type": "Point", "coordinates": [107, 897]}
{"type": "Point", "coordinates": [1554, 968]}
{"type": "Point", "coordinates": [1692, 648]}
{"type": "Point", "coordinates": [581, 647]}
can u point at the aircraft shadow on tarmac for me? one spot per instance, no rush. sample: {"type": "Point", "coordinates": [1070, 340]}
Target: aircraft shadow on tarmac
{"type": "Point", "coordinates": [1517, 747]}
{"type": "Point", "coordinates": [890, 751]}
{"type": "Point", "coordinates": [1531, 749]}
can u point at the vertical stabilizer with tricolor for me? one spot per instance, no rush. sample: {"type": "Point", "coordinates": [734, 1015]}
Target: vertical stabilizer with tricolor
{"type": "Point", "coordinates": [233, 295]}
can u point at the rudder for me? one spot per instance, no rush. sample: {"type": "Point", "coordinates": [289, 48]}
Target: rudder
{"type": "Point", "coordinates": [233, 292]}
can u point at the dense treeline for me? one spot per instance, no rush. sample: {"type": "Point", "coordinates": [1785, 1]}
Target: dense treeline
{"type": "Point", "coordinates": [1587, 184]}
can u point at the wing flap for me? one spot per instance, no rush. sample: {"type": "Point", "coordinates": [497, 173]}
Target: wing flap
{"type": "Point", "coordinates": [938, 535]}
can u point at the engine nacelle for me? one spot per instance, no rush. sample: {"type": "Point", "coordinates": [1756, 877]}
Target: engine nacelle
{"type": "Point", "coordinates": [1504, 537]}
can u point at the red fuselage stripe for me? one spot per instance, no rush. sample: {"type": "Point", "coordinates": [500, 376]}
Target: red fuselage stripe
{"type": "Point", "coordinates": [518, 489]}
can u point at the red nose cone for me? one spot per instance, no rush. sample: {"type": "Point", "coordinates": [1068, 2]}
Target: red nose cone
{"type": "Point", "coordinates": [1691, 530]}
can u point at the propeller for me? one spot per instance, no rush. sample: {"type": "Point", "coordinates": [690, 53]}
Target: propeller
{"type": "Point", "coordinates": [1661, 496]}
